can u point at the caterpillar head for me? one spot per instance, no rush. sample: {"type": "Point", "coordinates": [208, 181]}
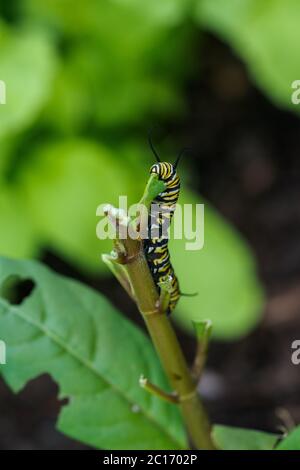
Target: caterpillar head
{"type": "Point", "coordinates": [164, 170]}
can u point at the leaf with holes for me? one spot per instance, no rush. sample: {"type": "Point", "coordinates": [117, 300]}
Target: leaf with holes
{"type": "Point", "coordinates": [93, 353]}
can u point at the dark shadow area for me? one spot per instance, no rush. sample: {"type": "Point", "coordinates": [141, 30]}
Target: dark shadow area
{"type": "Point", "coordinates": [28, 419]}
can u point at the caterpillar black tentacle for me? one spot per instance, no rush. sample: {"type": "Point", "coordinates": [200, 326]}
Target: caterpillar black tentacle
{"type": "Point", "coordinates": [152, 147]}
{"type": "Point", "coordinates": [193, 294]}
{"type": "Point", "coordinates": [159, 220]}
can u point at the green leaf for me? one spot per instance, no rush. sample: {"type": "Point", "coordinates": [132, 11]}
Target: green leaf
{"type": "Point", "coordinates": [229, 438]}
{"type": "Point", "coordinates": [265, 35]}
{"type": "Point", "coordinates": [154, 187]}
{"type": "Point", "coordinates": [203, 330]}
{"type": "Point", "coordinates": [27, 66]}
{"type": "Point", "coordinates": [64, 183]}
{"type": "Point", "coordinates": [292, 441]}
{"type": "Point", "coordinates": [223, 273]}
{"type": "Point", "coordinates": [93, 353]}
{"type": "Point", "coordinates": [17, 236]}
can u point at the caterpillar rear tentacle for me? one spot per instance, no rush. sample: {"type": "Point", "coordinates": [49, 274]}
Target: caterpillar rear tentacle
{"type": "Point", "coordinates": [193, 294]}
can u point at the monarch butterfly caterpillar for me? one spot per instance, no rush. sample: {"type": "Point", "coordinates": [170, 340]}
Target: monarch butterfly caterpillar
{"type": "Point", "coordinates": [159, 219]}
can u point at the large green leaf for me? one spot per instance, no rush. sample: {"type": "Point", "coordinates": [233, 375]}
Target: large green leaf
{"type": "Point", "coordinates": [265, 34]}
{"type": "Point", "coordinates": [93, 353]}
{"type": "Point", "coordinates": [27, 66]}
{"type": "Point", "coordinates": [228, 438]}
{"type": "Point", "coordinates": [292, 441]}
{"type": "Point", "coordinates": [222, 273]}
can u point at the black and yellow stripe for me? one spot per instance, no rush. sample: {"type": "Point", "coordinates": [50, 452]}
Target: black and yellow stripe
{"type": "Point", "coordinates": [159, 220]}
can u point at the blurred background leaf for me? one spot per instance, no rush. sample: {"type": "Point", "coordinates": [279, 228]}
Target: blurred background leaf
{"type": "Point", "coordinates": [222, 274]}
{"type": "Point", "coordinates": [119, 62]}
{"type": "Point", "coordinates": [27, 66]}
{"type": "Point", "coordinates": [265, 35]}
{"type": "Point", "coordinates": [17, 235]}
{"type": "Point", "coordinates": [63, 183]}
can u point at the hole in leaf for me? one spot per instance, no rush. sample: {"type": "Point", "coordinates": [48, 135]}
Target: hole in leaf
{"type": "Point", "coordinates": [15, 289]}
{"type": "Point", "coordinates": [31, 415]}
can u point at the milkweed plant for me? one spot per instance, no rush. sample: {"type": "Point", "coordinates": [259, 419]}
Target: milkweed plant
{"type": "Point", "coordinates": [125, 390]}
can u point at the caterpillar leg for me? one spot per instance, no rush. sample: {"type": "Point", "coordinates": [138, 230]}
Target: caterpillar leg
{"type": "Point", "coordinates": [165, 286]}
{"type": "Point", "coordinates": [119, 272]}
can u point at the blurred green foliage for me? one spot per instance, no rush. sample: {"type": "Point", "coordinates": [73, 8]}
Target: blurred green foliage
{"type": "Point", "coordinates": [222, 274]}
{"type": "Point", "coordinates": [85, 81]}
{"type": "Point", "coordinates": [265, 34]}
{"type": "Point", "coordinates": [27, 65]}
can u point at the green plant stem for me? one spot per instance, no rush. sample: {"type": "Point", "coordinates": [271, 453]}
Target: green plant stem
{"type": "Point", "coordinates": [167, 346]}
{"type": "Point", "coordinates": [203, 331]}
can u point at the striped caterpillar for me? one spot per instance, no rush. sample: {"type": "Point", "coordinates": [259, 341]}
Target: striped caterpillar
{"type": "Point", "coordinates": [159, 219]}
